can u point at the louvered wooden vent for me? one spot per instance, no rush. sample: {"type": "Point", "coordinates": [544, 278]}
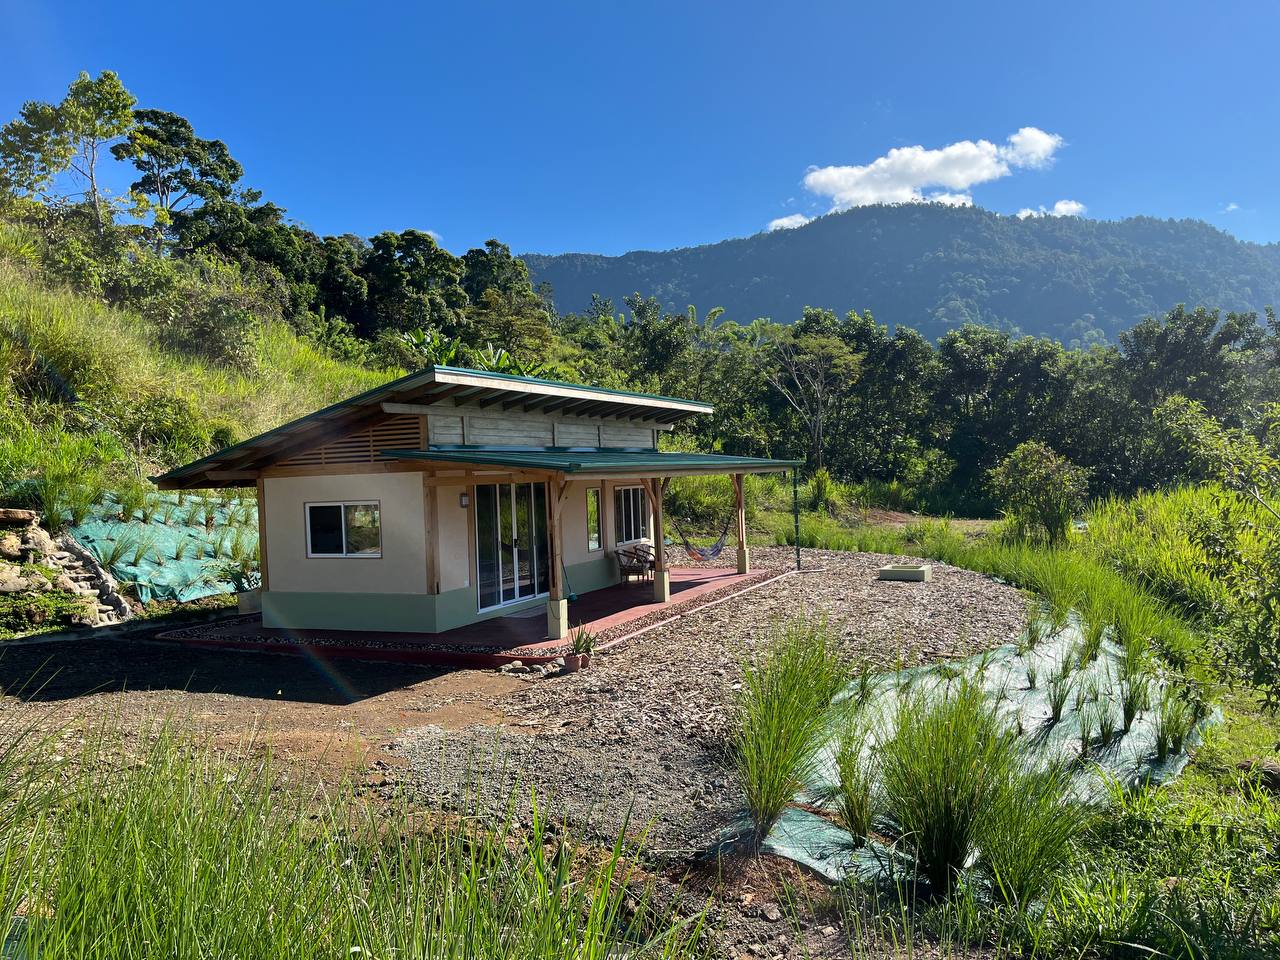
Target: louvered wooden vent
{"type": "Point", "coordinates": [394, 433]}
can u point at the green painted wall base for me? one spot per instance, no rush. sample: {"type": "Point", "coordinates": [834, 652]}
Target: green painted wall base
{"type": "Point", "coordinates": [411, 612]}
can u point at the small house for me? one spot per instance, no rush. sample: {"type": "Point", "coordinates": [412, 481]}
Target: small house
{"type": "Point", "coordinates": [450, 496]}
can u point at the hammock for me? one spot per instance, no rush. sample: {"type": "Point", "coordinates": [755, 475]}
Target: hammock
{"type": "Point", "coordinates": [704, 553]}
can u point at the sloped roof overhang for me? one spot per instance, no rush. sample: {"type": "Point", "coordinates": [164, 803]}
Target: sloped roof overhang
{"type": "Point", "coordinates": [433, 390]}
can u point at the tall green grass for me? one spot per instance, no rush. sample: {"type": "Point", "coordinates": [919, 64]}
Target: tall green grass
{"type": "Point", "coordinates": [964, 794]}
{"type": "Point", "coordinates": [180, 854]}
{"type": "Point", "coordinates": [943, 771]}
{"type": "Point", "coordinates": [783, 715]}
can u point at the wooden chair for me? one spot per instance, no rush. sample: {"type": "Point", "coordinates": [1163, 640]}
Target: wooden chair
{"type": "Point", "coordinates": [635, 560]}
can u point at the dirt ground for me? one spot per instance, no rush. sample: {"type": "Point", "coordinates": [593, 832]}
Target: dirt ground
{"type": "Point", "coordinates": [639, 739]}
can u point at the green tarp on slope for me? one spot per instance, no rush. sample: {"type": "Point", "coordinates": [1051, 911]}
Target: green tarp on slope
{"type": "Point", "coordinates": [172, 560]}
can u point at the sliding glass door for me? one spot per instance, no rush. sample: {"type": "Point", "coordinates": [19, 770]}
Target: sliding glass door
{"type": "Point", "coordinates": [511, 543]}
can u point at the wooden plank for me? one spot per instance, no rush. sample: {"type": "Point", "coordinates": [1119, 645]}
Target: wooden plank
{"type": "Point", "coordinates": [555, 501]}
{"type": "Point", "coordinates": [218, 476]}
{"type": "Point", "coordinates": [659, 546]}
{"type": "Point", "coordinates": [341, 469]}
{"type": "Point", "coordinates": [431, 523]}
{"type": "Point", "coordinates": [740, 501]}
{"type": "Point", "coordinates": [262, 535]}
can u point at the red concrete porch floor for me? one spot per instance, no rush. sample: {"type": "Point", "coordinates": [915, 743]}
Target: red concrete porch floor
{"type": "Point", "coordinates": [485, 644]}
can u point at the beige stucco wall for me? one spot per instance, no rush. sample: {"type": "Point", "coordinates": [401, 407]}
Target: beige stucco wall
{"type": "Point", "coordinates": [573, 523]}
{"type": "Point", "coordinates": [455, 539]}
{"type": "Point", "coordinates": [400, 569]}
{"type": "Point", "coordinates": [402, 566]}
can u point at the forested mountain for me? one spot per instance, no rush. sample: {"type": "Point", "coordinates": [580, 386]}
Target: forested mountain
{"type": "Point", "coordinates": [934, 268]}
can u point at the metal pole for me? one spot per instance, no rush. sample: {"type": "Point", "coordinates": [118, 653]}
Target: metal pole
{"type": "Point", "coordinates": [795, 509]}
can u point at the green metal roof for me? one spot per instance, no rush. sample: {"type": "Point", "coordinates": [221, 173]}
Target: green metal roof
{"type": "Point", "coordinates": [595, 460]}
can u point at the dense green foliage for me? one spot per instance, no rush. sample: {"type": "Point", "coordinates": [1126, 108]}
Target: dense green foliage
{"type": "Point", "coordinates": [934, 268]}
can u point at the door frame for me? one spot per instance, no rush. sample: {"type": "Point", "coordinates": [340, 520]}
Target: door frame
{"type": "Point", "coordinates": [510, 558]}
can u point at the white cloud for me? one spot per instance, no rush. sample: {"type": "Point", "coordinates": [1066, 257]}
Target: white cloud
{"type": "Point", "coordinates": [902, 175]}
{"type": "Point", "coordinates": [1231, 207]}
{"type": "Point", "coordinates": [951, 199]}
{"type": "Point", "coordinates": [789, 222]}
{"type": "Point", "coordinates": [1032, 147]}
{"type": "Point", "coordinates": [1063, 208]}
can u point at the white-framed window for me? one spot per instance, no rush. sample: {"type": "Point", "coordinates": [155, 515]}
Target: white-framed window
{"type": "Point", "coordinates": [595, 523]}
{"type": "Point", "coordinates": [630, 514]}
{"type": "Point", "coordinates": [344, 528]}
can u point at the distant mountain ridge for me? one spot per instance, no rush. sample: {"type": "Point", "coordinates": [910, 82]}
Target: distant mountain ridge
{"type": "Point", "coordinates": [934, 268]}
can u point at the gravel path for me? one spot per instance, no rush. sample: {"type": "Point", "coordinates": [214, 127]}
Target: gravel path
{"type": "Point", "coordinates": [641, 734]}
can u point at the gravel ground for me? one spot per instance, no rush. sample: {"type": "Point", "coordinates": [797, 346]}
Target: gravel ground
{"type": "Point", "coordinates": [640, 737]}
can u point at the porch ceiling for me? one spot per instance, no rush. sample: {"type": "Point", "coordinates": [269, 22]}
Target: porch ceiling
{"type": "Point", "coordinates": [601, 461]}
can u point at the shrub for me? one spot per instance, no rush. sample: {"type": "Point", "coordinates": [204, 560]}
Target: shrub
{"type": "Point", "coordinates": [823, 494]}
{"type": "Point", "coordinates": [1040, 489]}
{"type": "Point", "coordinates": [782, 716]}
{"type": "Point", "coordinates": [855, 797]}
{"type": "Point", "coordinates": [943, 773]}
{"type": "Point", "coordinates": [1032, 831]}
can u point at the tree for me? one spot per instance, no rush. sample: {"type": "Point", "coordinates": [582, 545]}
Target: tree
{"type": "Point", "coordinates": [413, 282]}
{"type": "Point", "coordinates": [178, 168]}
{"type": "Point", "coordinates": [811, 368]}
{"type": "Point", "coordinates": [45, 141]}
{"type": "Point", "coordinates": [504, 306]}
{"type": "Point", "coordinates": [1241, 542]}
{"type": "Point", "coordinates": [1040, 488]}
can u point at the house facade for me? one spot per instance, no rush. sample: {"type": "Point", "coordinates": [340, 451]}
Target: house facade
{"type": "Point", "coordinates": [451, 496]}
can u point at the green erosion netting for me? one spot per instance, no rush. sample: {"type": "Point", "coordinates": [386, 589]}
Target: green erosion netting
{"type": "Point", "coordinates": [179, 552]}
{"type": "Point", "coordinates": [1130, 759]}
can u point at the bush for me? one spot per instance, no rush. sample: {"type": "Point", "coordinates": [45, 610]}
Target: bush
{"type": "Point", "coordinates": [1040, 489]}
{"type": "Point", "coordinates": [782, 716]}
{"type": "Point", "coordinates": [855, 793]}
{"type": "Point", "coordinates": [1031, 833]}
{"type": "Point", "coordinates": [944, 772]}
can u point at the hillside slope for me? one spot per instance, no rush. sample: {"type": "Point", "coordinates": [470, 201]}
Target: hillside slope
{"type": "Point", "coordinates": [934, 268]}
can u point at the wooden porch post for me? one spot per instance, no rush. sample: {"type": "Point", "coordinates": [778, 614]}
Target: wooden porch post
{"type": "Point", "coordinates": [263, 582]}
{"type": "Point", "coordinates": [744, 555]}
{"type": "Point", "coordinates": [557, 605]}
{"type": "Point", "coordinates": [661, 577]}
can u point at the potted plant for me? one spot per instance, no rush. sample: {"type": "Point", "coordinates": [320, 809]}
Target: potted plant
{"type": "Point", "coordinates": [582, 642]}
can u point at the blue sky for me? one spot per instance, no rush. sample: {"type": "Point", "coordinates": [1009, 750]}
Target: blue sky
{"type": "Point", "coordinates": [608, 127]}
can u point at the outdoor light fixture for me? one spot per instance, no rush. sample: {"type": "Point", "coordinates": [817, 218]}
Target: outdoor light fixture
{"type": "Point", "coordinates": [464, 500]}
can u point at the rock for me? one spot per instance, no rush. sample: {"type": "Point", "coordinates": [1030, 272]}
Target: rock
{"type": "Point", "coordinates": [65, 583]}
{"type": "Point", "coordinates": [1267, 772]}
{"type": "Point", "coordinates": [38, 581]}
{"type": "Point", "coordinates": [13, 517]}
{"type": "Point", "coordinates": [11, 579]}
{"type": "Point", "coordinates": [40, 542]}
{"type": "Point", "coordinates": [85, 615]}
{"type": "Point", "coordinates": [771, 912]}
{"type": "Point", "coordinates": [11, 547]}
